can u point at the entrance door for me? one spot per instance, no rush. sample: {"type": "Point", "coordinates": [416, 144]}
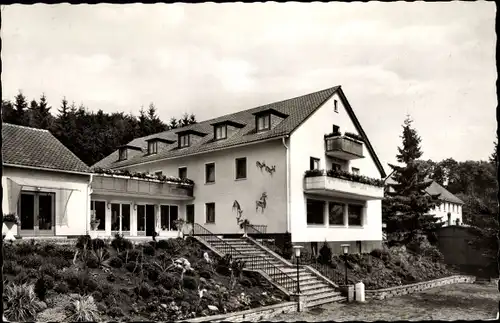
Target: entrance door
{"type": "Point", "coordinates": [37, 213]}
{"type": "Point", "coordinates": [150, 219]}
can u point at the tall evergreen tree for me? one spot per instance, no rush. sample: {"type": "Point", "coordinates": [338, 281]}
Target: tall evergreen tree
{"type": "Point", "coordinates": [406, 204]}
{"type": "Point", "coordinates": [21, 107]}
{"type": "Point", "coordinates": [8, 112]}
{"type": "Point", "coordinates": [40, 116]}
{"type": "Point", "coordinates": [156, 125]}
{"type": "Point", "coordinates": [494, 155]}
{"type": "Point", "coordinates": [173, 123]}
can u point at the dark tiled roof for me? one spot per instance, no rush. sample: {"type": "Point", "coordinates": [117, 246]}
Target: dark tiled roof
{"type": "Point", "coordinates": [296, 109]}
{"type": "Point", "coordinates": [24, 146]}
{"type": "Point", "coordinates": [434, 189]}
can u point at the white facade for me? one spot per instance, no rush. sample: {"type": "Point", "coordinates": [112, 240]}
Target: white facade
{"type": "Point", "coordinates": [47, 202]}
{"type": "Point", "coordinates": [308, 141]}
{"type": "Point", "coordinates": [448, 213]}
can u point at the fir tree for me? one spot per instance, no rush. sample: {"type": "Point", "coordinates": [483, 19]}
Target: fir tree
{"type": "Point", "coordinates": [173, 123]}
{"type": "Point", "coordinates": [21, 110]}
{"type": "Point", "coordinates": [406, 204]}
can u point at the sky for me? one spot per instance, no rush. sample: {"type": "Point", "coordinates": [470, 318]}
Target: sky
{"type": "Point", "coordinates": [434, 61]}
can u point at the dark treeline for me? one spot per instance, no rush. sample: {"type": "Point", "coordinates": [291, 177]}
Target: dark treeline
{"type": "Point", "coordinates": [89, 135]}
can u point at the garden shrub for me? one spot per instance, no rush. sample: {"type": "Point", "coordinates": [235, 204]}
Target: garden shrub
{"type": "Point", "coordinates": [102, 308]}
{"type": "Point", "coordinates": [59, 262]}
{"type": "Point", "coordinates": [205, 274]}
{"type": "Point", "coordinates": [106, 289]}
{"type": "Point", "coordinates": [120, 243]}
{"type": "Point", "coordinates": [152, 271]}
{"type": "Point", "coordinates": [84, 241]}
{"type": "Point", "coordinates": [92, 261]}
{"type": "Point", "coordinates": [111, 277]}
{"type": "Point", "coordinates": [83, 309]}
{"type": "Point", "coordinates": [49, 269]}
{"type": "Point", "coordinates": [325, 254]}
{"type": "Point", "coordinates": [43, 285]}
{"type": "Point", "coordinates": [98, 244]}
{"type": "Point", "coordinates": [144, 290]}
{"type": "Point", "coordinates": [167, 244]}
{"type": "Point", "coordinates": [31, 261]}
{"type": "Point", "coordinates": [115, 311]}
{"type": "Point", "coordinates": [26, 248]}
{"type": "Point", "coordinates": [20, 303]}
{"type": "Point", "coordinates": [97, 295]}
{"type": "Point", "coordinates": [246, 282]}
{"type": "Point", "coordinates": [377, 253]}
{"type": "Point", "coordinates": [61, 288]}
{"type": "Point", "coordinates": [148, 250]}
{"type": "Point", "coordinates": [133, 267]}
{"type": "Point", "coordinates": [91, 284]}
{"type": "Point", "coordinates": [168, 280]}
{"type": "Point", "coordinates": [9, 267]}
{"type": "Point", "coordinates": [190, 282]}
{"type": "Point", "coordinates": [116, 262]}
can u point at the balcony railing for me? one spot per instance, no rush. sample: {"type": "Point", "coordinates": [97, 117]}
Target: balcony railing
{"type": "Point", "coordinates": [343, 147]}
{"type": "Point", "coordinates": [120, 185]}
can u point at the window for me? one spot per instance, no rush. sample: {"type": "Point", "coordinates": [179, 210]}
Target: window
{"type": "Point", "coordinates": [241, 168]}
{"type": "Point", "coordinates": [184, 141]}
{"type": "Point", "coordinates": [122, 154]}
{"type": "Point", "coordinates": [335, 213]}
{"type": "Point", "coordinates": [335, 108]}
{"type": "Point", "coordinates": [264, 122]}
{"type": "Point", "coordinates": [335, 129]}
{"type": "Point", "coordinates": [159, 173]}
{"type": "Point", "coordinates": [120, 217]}
{"type": "Point", "coordinates": [183, 172]}
{"type": "Point", "coordinates": [336, 166]}
{"type": "Point", "coordinates": [168, 215]}
{"type": "Point", "coordinates": [355, 213]}
{"type": "Point", "coordinates": [315, 212]}
{"type": "Point", "coordinates": [210, 212]}
{"type": "Point", "coordinates": [220, 132]}
{"type": "Point", "coordinates": [313, 163]}
{"type": "Point", "coordinates": [98, 209]}
{"type": "Point", "coordinates": [355, 170]}
{"type": "Point", "coordinates": [152, 147]}
{"type": "Point", "coordinates": [210, 173]}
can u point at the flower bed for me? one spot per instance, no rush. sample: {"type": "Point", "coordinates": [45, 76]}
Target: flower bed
{"type": "Point", "coordinates": [159, 281]}
{"type": "Point", "coordinates": [143, 175]}
{"type": "Point", "coordinates": [345, 175]}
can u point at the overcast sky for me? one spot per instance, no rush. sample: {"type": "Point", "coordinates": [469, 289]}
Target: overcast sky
{"type": "Point", "coordinates": [435, 61]}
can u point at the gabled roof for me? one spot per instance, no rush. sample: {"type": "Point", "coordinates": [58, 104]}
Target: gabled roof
{"type": "Point", "coordinates": [295, 111]}
{"type": "Point", "coordinates": [38, 148]}
{"type": "Point", "coordinates": [433, 189]}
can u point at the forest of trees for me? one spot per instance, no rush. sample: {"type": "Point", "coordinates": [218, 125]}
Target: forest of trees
{"type": "Point", "coordinates": [89, 135]}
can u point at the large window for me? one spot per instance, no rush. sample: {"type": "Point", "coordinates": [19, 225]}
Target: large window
{"type": "Point", "coordinates": [183, 172]}
{"type": "Point", "coordinates": [264, 122]}
{"type": "Point", "coordinates": [98, 209]}
{"type": "Point", "coordinates": [315, 212]}
{"type": "Point", "coordinates": [355, 215]}
{"type": "Point", "coordinates": [335, 213]}
{"type": "Point", "coordinates": [241, 168]}
{"type": "Point", "coordinates": [184, 141]}
{"type": "Point", "coordinates": [220, 132]}
{"type": "Point", "coordinates": [210, 173]}
{"type": "Point", "coordinates": [168, 215]}
{"type": "Point", "coordinates": [210, 212]}
{"type": "Point", "coordinates": [120, 217]}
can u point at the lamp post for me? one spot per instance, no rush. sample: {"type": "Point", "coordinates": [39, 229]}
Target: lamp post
{"type": "Point", "coordinates": [297, 255]}
{"type": "Point", "coordinates": [345, 250]}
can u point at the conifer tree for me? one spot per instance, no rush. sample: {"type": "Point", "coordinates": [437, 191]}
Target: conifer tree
{"type": "Point", "coordinates": [406, 204]}
{"type": "Point", "coordinates": [21, 110]}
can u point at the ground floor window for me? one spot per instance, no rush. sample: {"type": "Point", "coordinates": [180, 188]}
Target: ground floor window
{"type": "Point", "coordinates": [168, 215]}
{"type": "Point", "coordinates": [336, 213]}
{"type": "Point", "coordinates": [98, 209]}
{"type": "Point", "coordinates": [315, 212]}
{"type": "Point", "coordinates": [355, 214]}
{"type": "Point", "coordinates": [120, 218]}
{"type": "Point", "coordinates": [37, 211]}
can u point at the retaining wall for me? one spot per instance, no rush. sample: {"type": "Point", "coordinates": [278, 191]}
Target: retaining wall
{"type": "Point", "coordinates": [417, 287]}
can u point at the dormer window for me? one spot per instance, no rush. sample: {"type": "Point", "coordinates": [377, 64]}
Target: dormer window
{"type": "Point", "coordinates": [152, 147]}
{"type": "Point", "coordinates": [183, 140]}
{"type": "Point", "coordinates": [122, 154]}
{"type": "Point", "coordinates": [264, 122]}
{"type": "Point", "coordinates": [220, 132]}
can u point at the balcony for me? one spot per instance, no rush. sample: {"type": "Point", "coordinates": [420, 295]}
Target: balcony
{"type": "Point", "coordinates": [137, 187]}
{"type": "Point", "coordinates": [343, 147]}
{"type": "Point", "coordinates": [343, 185]}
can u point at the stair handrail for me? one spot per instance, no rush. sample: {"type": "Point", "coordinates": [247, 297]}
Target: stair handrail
{"type": "Point", "coordinates": [271, 246]}
{"type": "Point", "coordinates": [288, 282]}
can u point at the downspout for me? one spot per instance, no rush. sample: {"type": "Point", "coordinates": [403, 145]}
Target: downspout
{"type": "Point", "coordinates": [287, 163]}
{"type": "Point", "coordinates": [89, 191]}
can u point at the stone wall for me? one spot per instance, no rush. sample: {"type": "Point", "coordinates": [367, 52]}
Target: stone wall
{"type": "Point", "coordinates": [417, 287]}
{"type": "Point", "coordinates": [252, 315]}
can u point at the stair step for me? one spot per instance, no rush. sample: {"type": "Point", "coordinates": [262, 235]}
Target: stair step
{"type": "Point", "coordinates": [328, 300]}
{"type": "Point", "coordinates": [330, 294]}
{"type": "Point", "coordinates": [317, 291]}
{"type": "Point", "coordinates": [313, 286]}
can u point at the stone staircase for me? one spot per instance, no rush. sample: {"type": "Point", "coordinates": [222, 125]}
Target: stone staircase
{"type": "Point", "coordinates": [317, 290]}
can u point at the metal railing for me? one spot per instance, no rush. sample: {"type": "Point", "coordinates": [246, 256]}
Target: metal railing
{"type": "Point", "coordinates": [253, 229]}
{"type": "Point", "coordinates": [256, 229]}
{"type": "Point", "coordinates": [251, 262]}
{"type": "Point", "coordinates": [325, 269]}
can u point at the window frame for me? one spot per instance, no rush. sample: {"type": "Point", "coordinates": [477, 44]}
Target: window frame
{"type": "Point", "coordinates": [206, 173]}
{"type": "Point", "coordinates": [308, 200]}
{"type": "Point", "coordinates": [207, 205]}
{"type": "Point", "coordinates": [152, 144]}
{"type": "Point", "coordinates": [122, 154]}
{"type": "Point", "coordinates": [313, 160]}
{"type": "Point", "coordinates": [343, 205]}
{"type": "Point", "coordinates": [184, 143]}
{"type": "Point", "coordinates": [263, 117]}
{"type": "Point", "coordinates": [223, 129]}
{"type": "Point", "coordinates": [93, 209]}
{"type": "Point", "coordinates": [236, 161]}
{"type": "Point", "coordinates": [179, 171]}
{"type": "Point", "coordinates": [360, 206]}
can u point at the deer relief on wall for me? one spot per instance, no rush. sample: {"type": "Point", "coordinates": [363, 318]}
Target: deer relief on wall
{"type": "Point", "coordinates": [268, 169]}
{"type": "Point", "coordinates": [239, 211]}
{"type": "Point", "coordinates": [261, 203]}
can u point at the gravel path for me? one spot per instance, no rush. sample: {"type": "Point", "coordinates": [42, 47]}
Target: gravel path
{"type": "Point", "coordinates": [451, 302]}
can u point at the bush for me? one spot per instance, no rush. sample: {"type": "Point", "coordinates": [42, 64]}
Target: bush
{"type": "Point", "coordinates": [148, 250]}
{"type": "Point", "coordinates": [72, 279]}
{"type": "Point", "coordinates": [152, 271]}
{"type": "Point", "coordinates": [11, 267]}
{"type": "Point", "coordinates": [26, 275]}
{"type": "Point", "coordinates": [61, 288]}
{"type": "Point", "coordinates": [92, 262]}
{"type": "Point", "coordinates": [43, 285]}
{"type": "Point", "coordinates": [31, 261]}
{"type": "Point", "coordinates": [116, 262]}
{"type": "Point", "coordinates": [20, 303]}
{"type": "Point", "coordinates": [133, 267]}
{"type": "Point", "coordinates": [26, 248]}
{"type": "Point", "coordinates": [246, 282]}
{"type": "Point", "coordinates": [144, 290]}
{"type": "Point", "coordinates": [120, 243]}
{"type": "Point", "coordinates": [325, 254]}
{"type": "Point", "coordinates": [115, 311]}
{"type": "Point", "coordinates": [49, 269]}
{"type": "Point", "coordinates": [190, 282]}
{"type": "Point", "coordinates": [83, 309]}
{"type": "Point", "coordinates": [111, 277]}
{"type": "Point", "coordinates": [106, 289]}
{"type": "Point", "coordinates": [84, 241]}
{"type": "Point", "coordinates": [168, 280]}
{"type": "Point", "coordinates": [97, 295]}
{"type": "Point", "coordinates": [168, 244]}
{"type": "Point", "coordinates": [98, 244]}
{"type": "Point", "coordinates": [205, 274]}
{"type": "Point", "coordinates": [377, 253]}
{"type": "Point", "coordinates": [59, 262]}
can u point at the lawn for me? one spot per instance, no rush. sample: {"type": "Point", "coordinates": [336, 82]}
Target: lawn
{"type": "Point", "coordinates": [166, 281]}
{"type": "Point", "coordinates": [448, 303]}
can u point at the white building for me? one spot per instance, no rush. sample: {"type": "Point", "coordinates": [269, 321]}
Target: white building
{"type": "Point", "coordinates": [44, 183]}
{"type": "Point", "coordinates": [256, 159]}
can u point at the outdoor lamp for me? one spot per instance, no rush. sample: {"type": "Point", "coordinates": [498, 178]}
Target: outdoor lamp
{"type": "Point", "coordinates": [297, 255]}
{"type": "Point", "coordinates": [345, 250]}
